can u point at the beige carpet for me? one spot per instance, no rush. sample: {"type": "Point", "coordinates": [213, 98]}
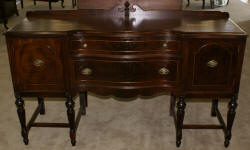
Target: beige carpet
{"type": "Point", "coordinates": [115, 125]}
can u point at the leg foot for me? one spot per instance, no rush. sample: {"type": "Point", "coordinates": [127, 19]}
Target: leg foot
{"type": "Point", "coordinates": [71, 117]}
{"type": "Point", "coordinates": [214, 107]}
{"type": "Point", "coordinates": [226, 143]}
{"type": "Point", "coordinates": [178, 143]}
{"type": "Point", "coordinates": [22, 118]}
{"type": "Point", "coordinates": [42, 106]}
{"type": "Point", "coordinates": [180, 117]}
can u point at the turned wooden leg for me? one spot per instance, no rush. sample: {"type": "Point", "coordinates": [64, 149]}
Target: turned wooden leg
{"type": "Point", "coordinates": [230, 119]}
{"type": "Point", "coordinates": [180, 117]}
{"type": "Point", "coordinates": [22, 118]}
{"type": "Point", "coordinates": [71, 117]}
{"type": "Point", "coordinates": [172, 105]}
{"type": "Point", "coordinates": [188, 2]}
{"type": "Point", "coordinates": [214, 107]}
{"type": "Point", "coordinates": [41, 105]}
{"type": "Point", "coordinates": [83, 102]}
{"type": "Point", "coordinates": [62, 3]}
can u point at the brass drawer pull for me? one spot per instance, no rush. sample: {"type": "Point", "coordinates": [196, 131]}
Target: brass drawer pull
{"type": "Point", "coordinates": [164, 71]}
{"type": "Point", "coordinates": [38, 63]}
{"type": "Point", "coordinates": [85, 45]}
{"type": "Point", "coordinates": [212, 63]}
{"type": "Point", "coordinates": [86, 71]}
{"type": "Point", "coordinates": [165, 45]}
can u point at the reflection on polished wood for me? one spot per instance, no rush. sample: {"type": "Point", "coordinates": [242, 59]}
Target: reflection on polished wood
{"type": "Point", "coordinates": [127, 52]}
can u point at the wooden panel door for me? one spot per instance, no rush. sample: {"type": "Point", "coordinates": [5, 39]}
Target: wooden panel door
{"type": "Point", "coordinates": [38, 64]}
{"type": "Point", "coordinates": [212, 64]}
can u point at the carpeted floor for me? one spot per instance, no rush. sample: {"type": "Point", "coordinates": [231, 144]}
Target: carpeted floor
{"type": "Point", "coordinates": [110, 124]}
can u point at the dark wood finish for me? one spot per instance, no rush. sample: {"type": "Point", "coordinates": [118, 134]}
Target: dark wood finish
{"type": "Point", "coordinates": [230, 118]}
{"type": "Point", "coordinates": [128, 52]}
{"type": "Point", "coordinates": [71, 117]}
{"type": "Point", "coordinates": [180, 117]}
{"type": "Point", "coordinates": [144, 4]}
{"type": "Point", "coordinates": [73, 123]}
{"type": "Point", "coordinates": [214, 107]}
{"type": "Point", "coordinates": [22, 118]}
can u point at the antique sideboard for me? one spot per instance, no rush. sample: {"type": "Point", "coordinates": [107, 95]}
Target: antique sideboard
{"type": "Point", "coordinates": [126, 52]}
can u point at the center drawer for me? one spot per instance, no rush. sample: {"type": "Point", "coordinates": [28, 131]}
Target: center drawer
{"type": "Point", "coordinates": [126, 71]}
{"type": "Point", "coordinates": [169, 45]}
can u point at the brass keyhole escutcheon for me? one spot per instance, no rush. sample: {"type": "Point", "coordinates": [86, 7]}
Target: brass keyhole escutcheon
{"type": "Point", "coordinates": [164, 71]}
{"type": "Point", "coordinates": [212, 63]}
{"type": "Point", "coordinates": [38, 62]}
{"type": "Point", "coordinates": [165, 45]}
{"type": "Point", "coordinates": [86, 71]}
{"type": "Point", "coordinates": [85, 45]}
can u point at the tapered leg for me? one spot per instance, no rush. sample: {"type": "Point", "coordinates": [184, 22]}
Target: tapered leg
{"type": "Point", "coordinates": [214, 107]}
{"type": "Point", "coordinates": [42, 106]}
{"type": "Point", "coordinates": [180, 117]}
{"type": "Point", "coordinates": [203, 4]}
{"type": "Point", "coordinates": [62, 3]}
{"type": "Point", "coordinates": [83, 102]}
{"type": "Point", "coordinates": [22, 118]}
{"type": "Point", "coordinates": [172, 105]}
{"type": "Point", "coordinates": [230, 119]}
{"type": "Point", "coordinates": [71, 117]}
{"type": "Point", "coordinates": [35, 2]}
{"type": "Point", "coordinates": [188, 2]}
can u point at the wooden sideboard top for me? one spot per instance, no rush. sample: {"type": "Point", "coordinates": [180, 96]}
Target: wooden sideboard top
{"type": "Point", "coordinates": [106, 21]}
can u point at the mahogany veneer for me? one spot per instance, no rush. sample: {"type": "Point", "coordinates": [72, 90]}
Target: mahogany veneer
{"type": "Point", "coordinates": [127, 53]}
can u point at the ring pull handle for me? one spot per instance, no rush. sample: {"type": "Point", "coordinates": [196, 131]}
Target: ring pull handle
{"type": "Point", "coordinates": [38, 63]}
{"type": "Point", "coordinates": [212, 63]}
{"type": "Point", "coordinates": [86, 71]}
{"type": "Point", "coordinates": [164, 71]}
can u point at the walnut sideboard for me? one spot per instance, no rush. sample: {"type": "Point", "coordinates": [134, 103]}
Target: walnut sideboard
{"type": "Point", "coordinates": [126, 52]}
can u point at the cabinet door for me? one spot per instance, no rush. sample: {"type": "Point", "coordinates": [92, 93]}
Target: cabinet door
{"type": "Point", "coordinates": [212, 64]}
{"type": "Point", "coordinates": [38, 64]}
